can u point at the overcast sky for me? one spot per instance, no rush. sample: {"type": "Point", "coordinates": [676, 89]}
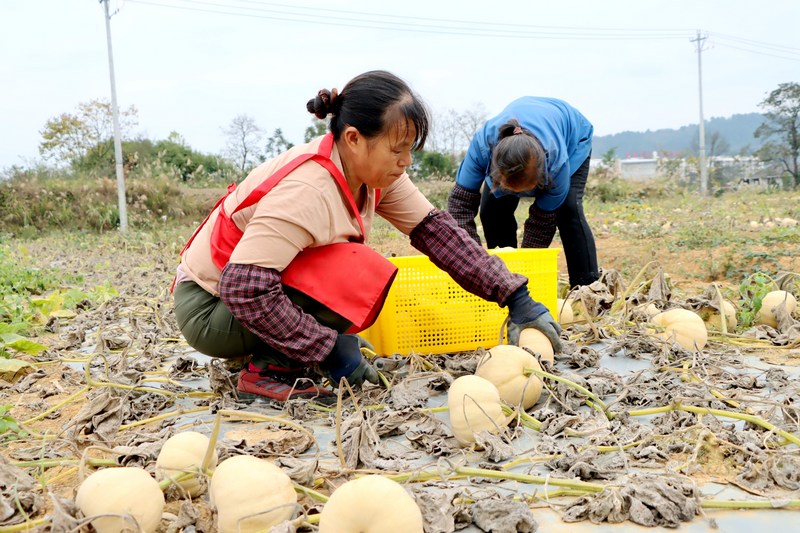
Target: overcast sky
{"type": "Point", "coordinates": [192, 65]}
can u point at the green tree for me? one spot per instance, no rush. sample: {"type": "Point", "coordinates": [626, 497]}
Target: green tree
{"type": "Point", "coordinates": [670, 168]}
{"type": "Point", "coordinates": [434, 165]}
{"type": "Point", "coordinates": [318, 127]}
{"type": "Point", "coordinates": [146, 157]}
{"type": "Point", "coordinates": [607, 169]}
{"type": "Point", "coordinates": [276, 144]}
{"type": "Point", "coordinates": [69, 137]}
{"type": "Point", "coordinates": [781, 129]}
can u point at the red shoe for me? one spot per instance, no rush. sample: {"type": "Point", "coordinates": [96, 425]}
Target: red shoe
{"type": "Point", "coordinates": [279, 384]}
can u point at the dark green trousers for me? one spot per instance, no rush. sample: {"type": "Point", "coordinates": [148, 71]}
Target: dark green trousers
{"type": "Point", "coordinates": [211, 329]}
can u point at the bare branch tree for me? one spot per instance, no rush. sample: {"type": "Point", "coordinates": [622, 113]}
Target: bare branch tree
{"type": "Point", "coordinates": [452, 131]}
{"type": "Point", "coordinates": [243, 139]}
{"type": "Point", "coordinates": [469, 121]}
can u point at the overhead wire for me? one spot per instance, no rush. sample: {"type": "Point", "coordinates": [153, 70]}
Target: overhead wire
{"type": "Point", "coordinates": [439, 20]}
{"type": "Point", "coordinates": [726, 45]}
{"type": "Point", "coordinates": [437, 26]}
{"type": "Point", "coordinates": [446, 26]}
{"type": "Point", "coordinates": [761, 44]}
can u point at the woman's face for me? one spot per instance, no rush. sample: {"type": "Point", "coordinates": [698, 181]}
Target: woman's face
{"type": "Point", "coordinates": [381, 161]}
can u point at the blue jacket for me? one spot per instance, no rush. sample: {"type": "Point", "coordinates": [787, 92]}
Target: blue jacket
{"type": "Point", "coordinates": [565, 134]}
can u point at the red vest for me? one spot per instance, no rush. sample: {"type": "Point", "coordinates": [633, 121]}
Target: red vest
{"type": "Point", "coordinates": [349, 278]}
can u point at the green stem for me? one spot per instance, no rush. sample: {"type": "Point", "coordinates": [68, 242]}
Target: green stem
{"type": "Point", "coordinates": [49, 463]}
{"type": "Point", "coordinates": [420, 476]}
{"type": "Point", "coordinates": [609, 449]}
{"type": "Point", "coordinates": [56, 407]}
{"type": "Point", "coordinates": [524, 460]}
{"type": "Point", "coordinates": [165, 483]}
{"type": "Point", "coordinates": [440, 409]}
{"type": "Point", "coordinates": [747, 504]}
{"type": "Point", "coordinates": [212, 445]}
{"type": "Point", "coordinates": [29, 525]}
{"type": "Point", "coordinates": [562, 493]}
{"type": "Point", "coordinates": [651, 411]}
{"type": "Point", "coordinates": [753, 419]}
{"type": "Point", "coordinates": [527, 420]}
{"type": "Point", "coordinates": [311, 493]}
{"type": "Point", "coordinates": [565, 381]}
{"type": "Point", "coordinates": [757, 420]}
{"type": "Point", "coordinates": [177, 412]}
{"type": "Point", "coordinates": [527, 478]}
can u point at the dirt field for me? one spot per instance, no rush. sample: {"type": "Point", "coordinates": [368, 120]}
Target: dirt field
{"type": "Point", "coordinates": [664, 250]}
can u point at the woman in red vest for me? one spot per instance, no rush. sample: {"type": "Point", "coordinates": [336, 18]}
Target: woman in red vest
{"type": "Point", "coordinates": [279, 269]}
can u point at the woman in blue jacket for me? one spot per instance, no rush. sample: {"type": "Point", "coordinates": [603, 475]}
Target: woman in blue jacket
{"type": "Point", "coordinates": [536, 147]}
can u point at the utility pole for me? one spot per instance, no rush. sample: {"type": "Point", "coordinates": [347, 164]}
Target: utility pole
{"type": "Point", "coordinates": [703, 169]}
{"type": "Point", "coordinates": [123, 210]}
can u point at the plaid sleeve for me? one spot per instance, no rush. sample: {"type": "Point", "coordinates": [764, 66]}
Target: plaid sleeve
{"type": "Point", "coordinates": [540, 228]}
{"type": "Point", "coordinates": [463, 204]}
{"type": "Point", "coordinates": [255, 297]}
{"type": "Point", "coordinates": [451, 249]}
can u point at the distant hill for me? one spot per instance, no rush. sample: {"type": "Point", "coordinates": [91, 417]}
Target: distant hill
{"type": "Point", "coordinates": [724, 136]}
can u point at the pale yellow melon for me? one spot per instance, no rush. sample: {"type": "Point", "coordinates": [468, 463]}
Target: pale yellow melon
{"type": "Point", "coordinates": [766, 315]}
{"type": "Point", "coordinates": [371, 504]}
{"type": "Point", "coordinates": [474, 405]}
{"type": "Point", "coordinates": [129, 496]}
{"type": "Point", "coordinates": [504, 366]}
{"type": "Point", "coordinates": [713, 318]}
{"type": "Point", "coordinates": [682, 326]}
{"type": "Point", "coordinates": [537, 342]}
{"type": "Point", "coordinates": [251, 495]}
{"type": "Point", "coordinates": [184, 452]}
{"type": "Point", "coordinates": [565, 313]}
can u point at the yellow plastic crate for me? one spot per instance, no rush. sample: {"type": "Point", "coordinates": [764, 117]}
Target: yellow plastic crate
{"type": "Point", "coordinates": [427, 312]}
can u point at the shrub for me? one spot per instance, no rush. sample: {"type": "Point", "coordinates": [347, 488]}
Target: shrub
{"type": "Point", "coordinates": [75, 204]}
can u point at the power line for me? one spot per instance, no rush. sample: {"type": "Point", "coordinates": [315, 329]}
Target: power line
{"type": "Point", "coordinates": [428, 19]}
{"type": "Point", "coordinates": [256, 9]}
{"type": "Point", "coordinates": [760, 44]}
{"type": "Point", "coordinates": [479, 30]}
{"type": "Point", "coordinates": [726, 45]}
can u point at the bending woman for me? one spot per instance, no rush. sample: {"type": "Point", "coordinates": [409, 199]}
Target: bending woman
{"type": "Point", "coordinates": [536, 147]}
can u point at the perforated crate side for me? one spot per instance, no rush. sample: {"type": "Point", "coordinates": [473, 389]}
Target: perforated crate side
{"type": "Point", "coordinates": [427, 312]}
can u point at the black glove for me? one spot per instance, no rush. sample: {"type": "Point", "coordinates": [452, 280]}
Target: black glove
{"type": "Point", "coordinates": [347, 361]}
{"type": "Point", "coordinates": [525, 313]}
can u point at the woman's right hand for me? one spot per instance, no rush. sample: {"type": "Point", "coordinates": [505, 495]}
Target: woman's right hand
{"type": "Point", "coordinates": [524, 312]}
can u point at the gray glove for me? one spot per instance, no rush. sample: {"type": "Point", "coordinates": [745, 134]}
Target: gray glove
{"type": "Point", "coordinates": [525, 313]}
{"type": "Point", "coordinates": [543, 323]}
{"type": "Point", "coordinates": [347, 361]}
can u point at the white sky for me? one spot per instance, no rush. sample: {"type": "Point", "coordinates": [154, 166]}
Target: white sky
{"type": "Point", "coordinates": [192, 67]}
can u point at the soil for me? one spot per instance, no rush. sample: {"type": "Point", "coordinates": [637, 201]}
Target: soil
{"type": "Point", "coordinates": [133, 336]}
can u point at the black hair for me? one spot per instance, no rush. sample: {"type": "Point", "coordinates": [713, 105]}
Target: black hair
{"type": "Point", "coordinates": [372, 102]}
{"type": "Point", "coordinates": [518, 159]}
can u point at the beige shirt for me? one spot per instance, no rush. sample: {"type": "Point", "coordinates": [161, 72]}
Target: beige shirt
{"type": "Point", "coordinates": [306, 209]}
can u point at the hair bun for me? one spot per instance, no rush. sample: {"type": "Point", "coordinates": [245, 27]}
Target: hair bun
{"type": "Point", "coordinates": [324, 103]}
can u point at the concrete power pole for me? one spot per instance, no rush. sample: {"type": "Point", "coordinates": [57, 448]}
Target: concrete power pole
{"type": "Point", "coordinates": [703, 168]}
{"type": "Point", "coordinates": [123, 210]}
